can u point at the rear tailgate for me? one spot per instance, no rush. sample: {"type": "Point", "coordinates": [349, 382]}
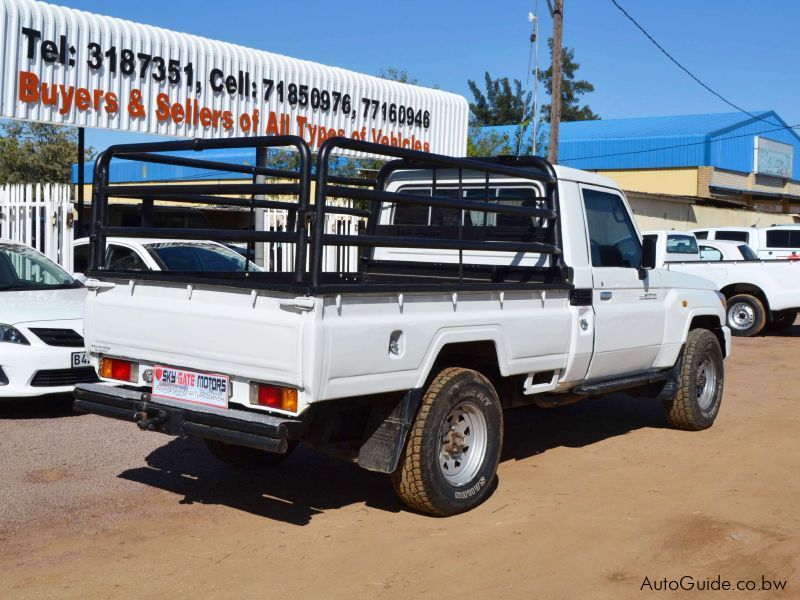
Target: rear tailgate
{"type": "Point", "coordinates": [244, 334]}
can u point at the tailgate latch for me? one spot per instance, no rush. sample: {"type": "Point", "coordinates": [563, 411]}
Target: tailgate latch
{"type": "Point", "coordinates": [299, 303]}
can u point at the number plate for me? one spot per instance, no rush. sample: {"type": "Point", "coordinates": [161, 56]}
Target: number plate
{"type": "Point", "coordinates": [191, 386]}
{"type": "Point", "coordinates": [79, 359]}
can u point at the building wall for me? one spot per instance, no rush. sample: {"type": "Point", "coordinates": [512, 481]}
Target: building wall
{"type": "Point", "coordinates": [670, 214]}
{"type": "Point", "coordinates": [675, 182]}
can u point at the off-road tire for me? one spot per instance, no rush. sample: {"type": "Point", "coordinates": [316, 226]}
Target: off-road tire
{"type": "Point", "coordinates": [750, 303]}
{"type": "Point", "coordinates": [242, 457]}
{"type": "Point", "coordinates": [419, 480]}
{"type": "Point", "coordinates": [783, 322]}
{"type": "Point", "coordinates": [685, 409]}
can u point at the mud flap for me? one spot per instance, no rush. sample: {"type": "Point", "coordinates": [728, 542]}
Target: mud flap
{"type": "Point", "coordinates": [387, 432]}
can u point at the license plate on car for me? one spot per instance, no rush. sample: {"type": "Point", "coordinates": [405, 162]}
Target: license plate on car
{"type": "Point", "coordinates": [79, 359]}
{"type": "Point", "coordinates": [191, 386]}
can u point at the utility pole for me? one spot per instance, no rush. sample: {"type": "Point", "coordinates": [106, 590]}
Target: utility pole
{"type": "Point", "coordinates": [557, 11]}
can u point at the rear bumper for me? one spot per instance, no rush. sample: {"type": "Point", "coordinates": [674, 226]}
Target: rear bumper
{"type": "Point", "coordinates": [243, 428]}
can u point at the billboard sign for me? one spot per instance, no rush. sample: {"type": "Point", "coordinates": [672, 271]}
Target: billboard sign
{"type": "Point", "coordinates": [773, 158]}
{"type": "Point", "coordinates": [71, 67]}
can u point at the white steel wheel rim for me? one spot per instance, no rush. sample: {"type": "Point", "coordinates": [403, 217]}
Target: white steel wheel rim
{"type": "Point", "coordinates": [706, 382]}
{"type": "Point", "coordinates": [741, 316]}
{"type": "Point", "coordinates": [462, 443]}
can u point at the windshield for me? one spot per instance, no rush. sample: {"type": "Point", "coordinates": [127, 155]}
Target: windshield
{"type": "Point", "coordinates": [22, 268]}
{"type": "Point", "coordinates": [182, 256]}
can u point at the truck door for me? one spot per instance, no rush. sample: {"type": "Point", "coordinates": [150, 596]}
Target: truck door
{"type": "Point", "coordinates": [629, 312]}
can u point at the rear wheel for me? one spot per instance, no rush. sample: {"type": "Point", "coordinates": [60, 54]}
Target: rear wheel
{"type": "Point", "coordinates": [451, 456]}
{"type": "Point", "coordinates": [243, 457]}
{"type": "Point", "coordinates": [783, 321]}
{"type": "Point", "coordinates": [701, 374]}
{"type": "Point", "coordinates": [746, 315]}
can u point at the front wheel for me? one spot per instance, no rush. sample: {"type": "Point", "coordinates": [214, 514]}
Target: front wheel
{"type": "Point", "coordinates": [746, 315]}
{"type": "Point", "coordinates": [450, 460]}
{"type": "Point", "coordinates": [701, 374]}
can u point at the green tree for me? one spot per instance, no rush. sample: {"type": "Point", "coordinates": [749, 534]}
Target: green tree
{"type": "Point", "coordinates": [37, 152]}
{"type": "Point", "coordinates": [501, 104]}
{"type": "Point", "coordinates": [571, 89]}
{"type": "Point", "coordinates": [395, 74]}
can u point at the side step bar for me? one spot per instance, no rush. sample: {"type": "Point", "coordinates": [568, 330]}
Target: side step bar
{"type": "Point", "coordinates": [632, 380]}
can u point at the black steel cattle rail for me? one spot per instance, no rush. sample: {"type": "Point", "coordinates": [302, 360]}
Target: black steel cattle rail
{"type": "Point", "coordinates": [306, 220]}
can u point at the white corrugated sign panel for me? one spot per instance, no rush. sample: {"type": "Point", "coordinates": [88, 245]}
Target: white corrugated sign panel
{"type": "Point", "coordinates": [67, 66]}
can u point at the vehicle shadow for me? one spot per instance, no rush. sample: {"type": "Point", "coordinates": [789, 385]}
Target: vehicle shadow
{"type": "Point", "coordinates": [306, 484]}
{"type": "Point", "coordinates": [310, 483]}
{"type": "Point", "coordinates": [531, 431]}
{"type": "Point", "coordinates": [42, 407]}
{"type": "Point", "coordinates": [793, 331]}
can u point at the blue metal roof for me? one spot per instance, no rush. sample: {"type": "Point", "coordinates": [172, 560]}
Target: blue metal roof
{"type": "Point", "coordinates": [722, 140]}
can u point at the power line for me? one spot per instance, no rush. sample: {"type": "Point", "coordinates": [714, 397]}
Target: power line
{"type": "Point", "coordinates": [684, 69]}
{"type": "Point", "coordinates": [730, 137]}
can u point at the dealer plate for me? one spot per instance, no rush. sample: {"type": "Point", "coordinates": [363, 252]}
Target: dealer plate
{"type": "Point", "coordinates": [191, 386]}
{"type": "Point", "coordinates": [79, 359]}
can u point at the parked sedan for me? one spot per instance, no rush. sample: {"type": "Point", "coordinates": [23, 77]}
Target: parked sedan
{"type": "Point", "coordinates": [725, 250]}
{"type": "Point", "coordinates": [41, 325]}
{"type": "Point", "coordinates": [129, 254]}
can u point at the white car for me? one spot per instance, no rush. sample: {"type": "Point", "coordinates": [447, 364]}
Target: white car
{"type": "Point", "coordinates": [717, 250]}
{"type": "Point", "coordinates": [137, 254]}
{"type": "Point", "coordinates": [775, 242]}
{"type": "Point", "coordinates": [41, 325]}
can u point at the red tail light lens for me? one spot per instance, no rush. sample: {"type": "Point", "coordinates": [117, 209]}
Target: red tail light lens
{"type": "Point", "coordinates": [121, 370]}
{"type": "Point", "coordinates": [273, 396]}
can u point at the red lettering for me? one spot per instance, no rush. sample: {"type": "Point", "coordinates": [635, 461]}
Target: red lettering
{"type": "Point", "coordinates": [28, 87]}
{"type": "Point", "coordinates": [205, 117]}
{"type": "Point", "coordinates": [83, 98]}
{"type": "Point", "coordinates": [162, 107]}
{"type": "Point", "coordinates": [112, 104]}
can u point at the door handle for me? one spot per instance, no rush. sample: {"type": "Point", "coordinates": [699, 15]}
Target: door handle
{"type": "Point", "coordinates": [605, 295]}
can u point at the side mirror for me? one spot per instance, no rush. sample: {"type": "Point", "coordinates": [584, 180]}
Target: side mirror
{"type": "Point", "coordinates": [648, 256]}
{"type": "Point", "coordinates": [80, 277]}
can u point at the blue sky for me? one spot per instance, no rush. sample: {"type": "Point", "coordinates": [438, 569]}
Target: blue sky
{"type": "Point", "coordinates": [745, 50]}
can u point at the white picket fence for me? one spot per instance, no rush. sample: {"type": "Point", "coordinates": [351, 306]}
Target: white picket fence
{"type": "Point", "coordinates": [280, 257]}
{"type": "Point", "coordinates": [39, 215]}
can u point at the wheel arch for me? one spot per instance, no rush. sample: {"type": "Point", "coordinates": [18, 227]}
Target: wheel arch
{"type": "Point", "coordinates": [732, 289]}
{"type": "Point", "coordinates": [712, 323]}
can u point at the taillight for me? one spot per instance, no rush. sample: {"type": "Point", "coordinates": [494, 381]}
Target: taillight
{"type": "Point", "coordinates": [273, 396]}
{"type": "Point", "coordinates": [121, 370]}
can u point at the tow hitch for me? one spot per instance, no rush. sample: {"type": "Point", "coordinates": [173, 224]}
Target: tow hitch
{"type": "Point", "coordinates": [148, 419]}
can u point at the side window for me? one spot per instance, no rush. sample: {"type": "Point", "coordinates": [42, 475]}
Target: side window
{"type": "Point", "coordinates": [709, 253]}
{"type": "Point", "coordinates": [734, 236]}
{"type": "Point", "coordinates": [701, 235]}
{"type": "Point", "coordinates": [681, 244]}
{"type": "Point", "coordinates": [612, 236]}
{"type": "Point", "coordinates": [119, 258]}
{"type": "Point", "coordinates": [786, 238]}
{"type": "Point", "coordinates": [80, 258]}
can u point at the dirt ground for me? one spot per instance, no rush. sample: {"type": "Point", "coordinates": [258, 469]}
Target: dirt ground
{"type": "Point", "coordinates": [594, 500]}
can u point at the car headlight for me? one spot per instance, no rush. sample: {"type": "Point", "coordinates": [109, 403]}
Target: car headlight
{"type": "Point", "coordinates": [12, 335]}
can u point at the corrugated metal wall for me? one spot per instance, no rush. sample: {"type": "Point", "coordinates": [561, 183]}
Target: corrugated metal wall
{"type": "Point", "coordinates": [51, 56]}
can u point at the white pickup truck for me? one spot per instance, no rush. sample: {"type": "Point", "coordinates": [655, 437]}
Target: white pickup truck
{"type": "Point", "coordinates": [759, 293]}
{"type": "Point", "coordinates": [479, 285]}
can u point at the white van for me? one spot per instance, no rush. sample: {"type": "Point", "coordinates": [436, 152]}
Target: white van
{"type": "Point", "coordinates": [769, 243]}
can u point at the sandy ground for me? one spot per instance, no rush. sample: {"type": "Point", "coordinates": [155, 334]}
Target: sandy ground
{"type": "Point", "coordinates": [591, 500]}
